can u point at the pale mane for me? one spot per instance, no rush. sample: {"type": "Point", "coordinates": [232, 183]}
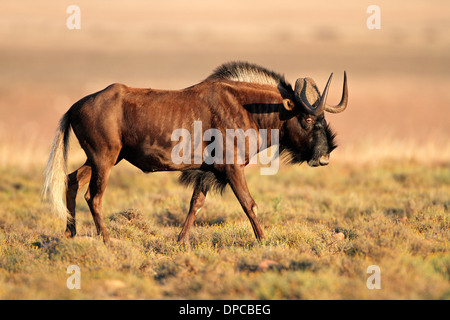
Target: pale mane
{"type": "Point", "coordinates": [247, 72]}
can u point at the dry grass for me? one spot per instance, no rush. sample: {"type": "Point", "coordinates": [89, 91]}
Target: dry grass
{"type": "Point", "coordinates": [394, 215]}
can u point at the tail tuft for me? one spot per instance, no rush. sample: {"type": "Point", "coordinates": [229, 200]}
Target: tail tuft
{"type": "Point", "coordinates": [55, 183]}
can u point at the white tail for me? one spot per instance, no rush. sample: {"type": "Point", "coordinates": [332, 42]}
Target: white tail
{"type": "Point", "coordinates": [55, 184]}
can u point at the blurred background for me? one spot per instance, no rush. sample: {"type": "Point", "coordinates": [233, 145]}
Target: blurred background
{"type": "Point", "coordinates": [399, 76]}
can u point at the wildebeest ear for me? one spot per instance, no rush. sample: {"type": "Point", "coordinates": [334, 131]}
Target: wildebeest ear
{"type": "Point", "coordinates": [288, 104]}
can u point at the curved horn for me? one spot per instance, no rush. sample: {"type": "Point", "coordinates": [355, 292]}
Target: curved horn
{"type": "Point", "coordinates": [323, 99]}
{"type": "Point", "coordinates": [344, 100]}
{"type": "Point", "coordinates": [306, 92]}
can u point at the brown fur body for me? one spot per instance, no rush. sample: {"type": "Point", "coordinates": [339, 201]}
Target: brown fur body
{"type": "Point", "coordinates": [136, 125]}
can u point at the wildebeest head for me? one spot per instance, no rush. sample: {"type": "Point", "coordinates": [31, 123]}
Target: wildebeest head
{"type": "Point", "coordinates": [311, 139]}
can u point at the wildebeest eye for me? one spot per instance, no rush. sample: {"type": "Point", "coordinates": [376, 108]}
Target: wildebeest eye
{"type": "Point", "coordinates": [309, 120]}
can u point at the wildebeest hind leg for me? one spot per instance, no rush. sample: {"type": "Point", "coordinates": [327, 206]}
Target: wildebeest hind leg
{"type": "Point", "coordinates": [197, 202]}
{"type": "Point", "coordinates": [76, 180]}
{"type": "Point", "coordinates": [97, 186]}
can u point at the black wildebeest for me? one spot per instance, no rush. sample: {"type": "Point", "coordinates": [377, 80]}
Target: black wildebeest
{"type": "Point", "coordinates": [120, 122]}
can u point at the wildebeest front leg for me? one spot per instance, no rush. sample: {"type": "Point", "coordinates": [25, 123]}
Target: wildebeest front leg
{"type": "Point", "coordinates": [236, 179]}
{"type": "Point", "coordinates": [197, 201]}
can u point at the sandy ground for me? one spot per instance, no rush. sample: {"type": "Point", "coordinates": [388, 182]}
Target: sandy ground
{"type": "Point", "coordinates": [398, 75]}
